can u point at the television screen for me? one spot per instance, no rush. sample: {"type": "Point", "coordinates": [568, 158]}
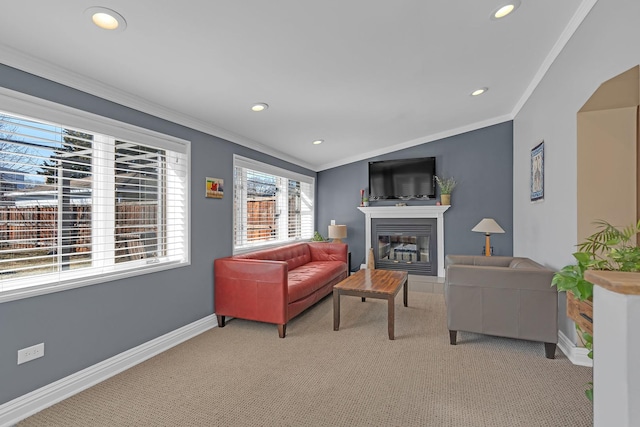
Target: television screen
{"type": "Point", "coordinates": [402, 179]}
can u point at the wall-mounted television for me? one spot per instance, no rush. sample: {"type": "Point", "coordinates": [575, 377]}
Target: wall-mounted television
{"type": "Point", "coordinates": [402, 179]}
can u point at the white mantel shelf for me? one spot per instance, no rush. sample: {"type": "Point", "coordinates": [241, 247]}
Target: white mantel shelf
{"type": "Point", "coordinates": [437, 212]}
{"type": "Point", "coordinates": [403, 211]}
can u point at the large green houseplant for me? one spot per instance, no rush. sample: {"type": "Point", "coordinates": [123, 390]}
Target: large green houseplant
{"type": "Point", "coordinates": [609, 248]}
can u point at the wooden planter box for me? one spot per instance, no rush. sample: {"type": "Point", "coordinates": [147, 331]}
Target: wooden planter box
{"type": "Point", "coordinates": [580, 312]}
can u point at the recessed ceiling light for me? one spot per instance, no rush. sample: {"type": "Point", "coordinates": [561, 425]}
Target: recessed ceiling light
{"type": "Point", "coordinates": [259, 107]}
{"type": "Point", "coordinates": [106, 19]}
{"type": "Point", "coordinates": [318, 141]}
{"type": "Point", "coordinates": [479, 91]}
{"type": "Point", "coordinates": [505, 10]}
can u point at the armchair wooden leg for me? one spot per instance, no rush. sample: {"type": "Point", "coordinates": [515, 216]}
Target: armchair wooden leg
{"type": "Point", "coordinates": [282, 330]}
{"type": "Point", "coordinates": [220, 321]}
{"type": "Point", "coordinates": [550, 350]}
{"type": "Point", "coordinates": [453, 336]}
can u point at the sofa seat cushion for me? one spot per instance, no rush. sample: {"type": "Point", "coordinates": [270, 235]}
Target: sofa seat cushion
{"type": "Point", "coordinates": [307, 279]}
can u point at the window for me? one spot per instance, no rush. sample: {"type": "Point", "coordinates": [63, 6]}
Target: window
{"type": "Point", "coordinates": [271, 205]}
{"type": "Point", "coordinates": [81, 206]}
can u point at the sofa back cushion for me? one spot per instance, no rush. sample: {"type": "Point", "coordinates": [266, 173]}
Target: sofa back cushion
{"type": "Point", "coordinates": [294, 255]}
{"type": "Point", "coordinates": [478, 260]}
{"type": "Point", "coordinates": [524, 263]}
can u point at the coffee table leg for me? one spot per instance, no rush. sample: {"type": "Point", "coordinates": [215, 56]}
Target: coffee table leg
{"type": "Point", "coordinates": [336, 310]}
{"type": "Point", "coordinates": [391, 320]}
{"type": "Point", "coordinates": [405, 292]}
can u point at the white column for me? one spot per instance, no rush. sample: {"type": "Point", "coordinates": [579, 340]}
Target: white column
{"type": "Point", "coordinates": [616, 348]}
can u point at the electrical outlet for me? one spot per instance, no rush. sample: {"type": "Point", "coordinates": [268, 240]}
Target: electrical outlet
{"type": "Point", "coordinates": [30, 353]}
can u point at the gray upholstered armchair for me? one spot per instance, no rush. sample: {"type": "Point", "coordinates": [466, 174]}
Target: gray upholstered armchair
{"type": "Point", "coordinates": [503, 296]}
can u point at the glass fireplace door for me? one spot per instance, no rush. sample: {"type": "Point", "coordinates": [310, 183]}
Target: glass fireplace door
{"type": "Point", "coordinates": [405, 244]}
{"type": "Point", "coordinates": [403, 249]}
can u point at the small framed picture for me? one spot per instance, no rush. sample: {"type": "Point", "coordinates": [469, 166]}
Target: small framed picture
{"type": "Point", "coordinates": [537, 173]}
{"type": "Point", "coordinates": [215, 188]}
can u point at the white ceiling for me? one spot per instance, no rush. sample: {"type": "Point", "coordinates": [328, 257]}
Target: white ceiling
{"type": "Point", "coordinates": [367, 76]}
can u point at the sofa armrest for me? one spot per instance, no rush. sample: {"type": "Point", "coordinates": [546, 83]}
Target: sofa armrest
{"type": "Point", "coordinates": [328, 251]}
{"type": "Point", "coordinates": [251, 289]}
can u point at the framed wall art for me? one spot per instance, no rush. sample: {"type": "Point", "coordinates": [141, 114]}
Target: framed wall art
{"type": "Point", "coordinates": [215, 188]}
{"type": "Point", "coordinates": [537, 173]}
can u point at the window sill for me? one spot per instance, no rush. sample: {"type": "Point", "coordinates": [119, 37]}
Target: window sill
{"type": "Point", "coordinates": [34, 291]}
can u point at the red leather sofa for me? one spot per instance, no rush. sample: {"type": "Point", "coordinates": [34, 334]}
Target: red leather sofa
{"type": "Point", "coordinates": [275, 285]}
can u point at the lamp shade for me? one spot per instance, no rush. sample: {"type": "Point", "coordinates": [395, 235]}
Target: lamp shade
{"type": "Point", "coordinates": [337, 231]}
{"type": "Point", "coordinates": [488, 226]}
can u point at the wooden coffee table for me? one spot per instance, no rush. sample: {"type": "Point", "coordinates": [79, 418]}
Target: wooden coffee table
{"type": "Point", "coordinates": [382, 284]}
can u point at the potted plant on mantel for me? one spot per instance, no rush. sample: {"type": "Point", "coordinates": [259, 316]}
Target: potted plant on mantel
{"type": "Point", "coordinates": [610, 248]}
{"type": "Point", "coordinates": [446, 187]}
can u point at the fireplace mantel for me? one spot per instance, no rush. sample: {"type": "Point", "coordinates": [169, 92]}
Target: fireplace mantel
{"type": "Point", "coordinates": [407, 212]}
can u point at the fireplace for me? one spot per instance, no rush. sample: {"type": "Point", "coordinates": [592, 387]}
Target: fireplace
{"type": "Point", "coordinates": [405, 215]}
{"type": "Point", "coordinates": [408, 244]}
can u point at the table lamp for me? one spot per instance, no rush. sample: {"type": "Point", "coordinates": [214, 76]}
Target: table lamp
{"type": "Point", "coordinates": [487, 226]}
{"type": "Point", "coordinates": [337, 232]}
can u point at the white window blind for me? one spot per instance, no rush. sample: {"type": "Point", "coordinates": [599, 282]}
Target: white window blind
{"type": "Point", "coordinates": [271, 205]}
{"type": "Point", "coordinates": [78, 205]}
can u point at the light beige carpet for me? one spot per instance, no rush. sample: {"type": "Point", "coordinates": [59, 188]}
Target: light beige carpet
{"type": "Point", "coordinates": [244, 375]}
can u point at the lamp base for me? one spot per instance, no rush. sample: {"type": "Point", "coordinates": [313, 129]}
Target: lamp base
{"type": "Point", "coordinates": [487, 245]}
{"type": "Point", "coordinates": [337, 240]}
{"type": "Point", "coordinates": [484, 251]}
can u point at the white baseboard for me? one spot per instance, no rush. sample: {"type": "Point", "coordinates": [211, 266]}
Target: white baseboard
{"type": "Point", "coordinates": [24, 406]}
{"type": "Point", "coordinates": [577, 355]}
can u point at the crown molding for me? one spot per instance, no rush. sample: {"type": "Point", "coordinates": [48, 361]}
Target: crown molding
{"type": "Point", "coordinates": [22, 61]}
{"type": "Point", "coordinates": [577, 18]}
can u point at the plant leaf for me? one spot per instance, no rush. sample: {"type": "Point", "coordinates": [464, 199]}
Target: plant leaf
{"type": "Point", "coordinates": [589, 393]}
{"type": "Point", "coordinates": [583, 257]}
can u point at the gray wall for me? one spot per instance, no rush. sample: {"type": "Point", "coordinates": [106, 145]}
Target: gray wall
{"type": "Point", "coordinates": [84, 326]}
{"type": "Point", "coordinates": [481, 162]}
{"type": "Point", "coordinates": [605, 45]}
